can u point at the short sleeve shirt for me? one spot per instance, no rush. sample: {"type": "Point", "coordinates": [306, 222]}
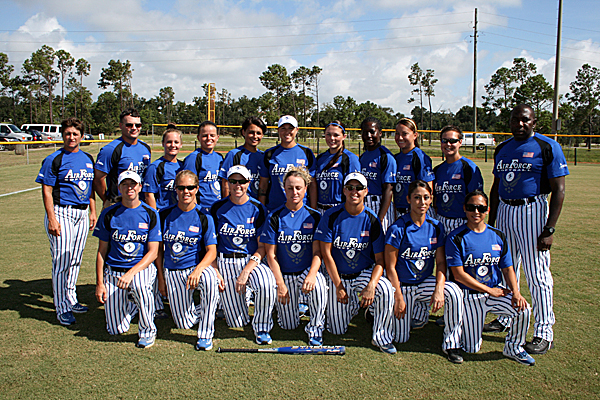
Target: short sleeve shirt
{"type": "Point", "coordinates": [379, 167]}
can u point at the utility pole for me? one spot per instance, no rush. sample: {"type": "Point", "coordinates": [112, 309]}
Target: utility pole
{"type": "Point", "coordinates": [475, 81]}
{"type": "Point", "coordinates": [555, 120]}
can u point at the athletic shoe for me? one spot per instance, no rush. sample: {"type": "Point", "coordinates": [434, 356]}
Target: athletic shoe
{"type": "Point", "coordinates": [495, 326]}
{"type": "Point", "coordinates": [539, 346]}
{"type": "Point", "coordinates": [315, 341]}
{"type": "Point", "coordinates": [204, 344]}
{"type": "Point", "coordinates": [369, 317]}
{"type": "Point", "coordinates": [521, 357]}
{"type": "Point", "coordinates": [303, 309]}
{"type": "Point", "coordinates": [440, 322]}
{"type": "Point", "coordinates": [454, 356]}
{"type": "Point", "coordinates": [263, 338]}
{"type": "Point", "coordinates": [161, 314]}
{"type": "Point", "coordinates": [416, 324]}
{"type": "Point", "coordinates": [386, 348]}
{"type": "Point", "coordinates": [66, 319]}
{"type": "Point", "coordinates": [220, 314]}
{"type": "Point", "coordinates": [145, 342]}
{"type": "Point", "coordinates": [79, 308]}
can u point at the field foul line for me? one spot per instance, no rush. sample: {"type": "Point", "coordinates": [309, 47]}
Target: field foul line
{"type": "Point", "coordinates": [20, 191]}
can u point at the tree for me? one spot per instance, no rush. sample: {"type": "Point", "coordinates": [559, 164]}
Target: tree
{"type": "Point", "coordinates": [5, 70]}
{"type": "Point", "coordinates": [65, 64]}
{"type": "Point", "coordinates": [167, 94]}
{"type": "Point", "coordinates": [585, 96]}
{"type": "Point", "coordinates": [301, 79]}
{"type": "Point", "coordinates": [42, 62]}
{"type": "Point", "coordinates": [118, 75]}
{"type": "Point", "coordinates": [82, 68]}
{"type": "Point", "coordinates": [416, 79]}
{"type": "Point", "coordinates": [315, 78]}
{"type": "Point", "coordinates": [536, 92]}
{"type": "Point", "coordinates": [522, 70]}
{"type": "Point", "coordinates": [276, 80]}
{"type": "Point", "coordinates": [499, 90]}
{"type": "Point", "coordinates": [428, 82]}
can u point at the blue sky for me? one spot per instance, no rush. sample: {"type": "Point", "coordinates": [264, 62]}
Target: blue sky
{"type": "Point", "coordinates": [365, 48]}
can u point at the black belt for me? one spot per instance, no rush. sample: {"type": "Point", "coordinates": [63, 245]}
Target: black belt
{"type": "Point", "coordinates": [349, 276]}
{"type": "Point", "coordinates": [409, 284]}
{"type": "Point", "coordinates": [375, 197]}
{"type": "Point", "coordinates": [325, 206]}
{"type": "Point", "coordinates": [76, 206]}
{"type": "Point", "coordinates": [473, 291]}
{"type": "Point", "coordinates": [450, 217]}
{"type": "Point", "coordinates": [293, 273]}
{"type": "Point", "coordinates": [119, 269]}
{"type": "Point", "coordinates": [402, 210]}
{"type": "Point", "coordinates": [519, 202]}
{"type": "Point", "coordinates": [234, 255]}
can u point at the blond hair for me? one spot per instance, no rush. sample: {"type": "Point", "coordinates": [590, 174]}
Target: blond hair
{"type": "Point", "coordinates": [298, 171]}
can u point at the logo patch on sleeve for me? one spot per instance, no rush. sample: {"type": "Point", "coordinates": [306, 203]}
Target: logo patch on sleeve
{"type": "Point", "coordinates": [194, 229]}
{"type": "Point", "coordinates": [496, 247]}
{"type": "Point", "coordinates": [456, 176]}
{"type": "Point", "coordinates": [307, 225]}
{"type": "Point", "coordinates": [364, 233]}
{"type": "Point", "coordinates": [528, 154]}
{"type": "Point", "coordinates": [250, 220]}
{"type": "Point", "coordinates": [143, 225]}
{"type": "Point", "coordinates": [433, 240]}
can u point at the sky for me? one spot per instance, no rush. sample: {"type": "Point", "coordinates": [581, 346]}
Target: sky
{"type": "Point", "coordinates": [366, 48]}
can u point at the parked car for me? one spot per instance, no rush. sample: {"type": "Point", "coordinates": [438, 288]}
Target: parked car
{"type": "Point", "coordinates": [481, 140]}
{"type": "Point", "coordinates": [4, 143]}
{"type": "Point", "coordinates": [52, 131]}
{"type": "Point", "coordinates": [87, 136]}
{"type": "Point", "coordinates": [12, 131]}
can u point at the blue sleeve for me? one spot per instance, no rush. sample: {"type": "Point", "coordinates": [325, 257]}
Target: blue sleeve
{"type": "Point", "coordinates": [268, 235]}
{"type": "Point", "coordinates": [150, 183]}
{"type": "Point", "coordinates": [441, 237]}
{"type": "Point", "coordinates": [426, 173]}
{"type": "Point", "coordinates": [558, 166]}
{"type": "Point", "coordinates": [46, 176]}
{"type": "Point", "coordinates": [189, 163]}
{"type": "Point", "coordinates": [263, 169]}
{"type": "Point", "coordinates": [210, 236]}
{"type": "Point", "coordinates": [154, 234]}
{"type": "Point", "coordinates": [394, 236]}
{"type": "Point", "coordinates": [313, 168]}
{"type": "Point", "coordinates": [354, 163]}
{"type": "Point", "coordinates": [322, 232]}
{"type": "Point", "coordinates": [476, 179]}
{"type": "Point", "coordinates": [103, 161]}
{"type": "Point", "coordinates": [227, 163]}
{"type": "Point", "coordinates": [389, 175]}
{"type": "Point", "coordinates": [453, 256]}
{"type": "Point", "coordinates": [505, 259]}
{"type": "Point", "coordinates": [100, 230]}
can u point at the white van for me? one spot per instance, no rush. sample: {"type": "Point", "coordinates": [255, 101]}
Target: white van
{"type": "Point", "coordinates": [12, 131]}
{"type": "Point", "coordinates": [481, 140]}
{"type": "Point", "coordinates": [52, 131]}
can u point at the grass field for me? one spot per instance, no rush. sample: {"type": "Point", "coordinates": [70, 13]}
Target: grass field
{"type": "Point", "coordinates": [41, 359]}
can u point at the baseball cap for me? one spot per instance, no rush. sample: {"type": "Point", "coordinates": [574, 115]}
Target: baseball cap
{"type": "Point", "coordinates": [239, 169]}
{"type": "Point", "coordinates": [358, 177]}
{"type": "Point", "coordinates": [129, 175]}
{"type": "Point", "coordinates": [287, 119]}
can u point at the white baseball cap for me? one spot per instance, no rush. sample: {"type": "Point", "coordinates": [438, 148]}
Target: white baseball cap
{"type": "Point", "coordinates": [239, 169]}
{"type": "Point", "coordinates": [357, 176]}
{"type": "Point", "coordinates": [287, 119]}
{"type": "Point", "coordinates": [129, 175]}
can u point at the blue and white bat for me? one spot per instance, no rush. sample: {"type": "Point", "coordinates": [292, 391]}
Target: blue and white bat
{"type": "Point", "coordinates": [325, 350]}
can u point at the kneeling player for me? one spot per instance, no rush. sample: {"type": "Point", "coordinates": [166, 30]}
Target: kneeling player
{"type": "Point", "coordinates": [477, 253]}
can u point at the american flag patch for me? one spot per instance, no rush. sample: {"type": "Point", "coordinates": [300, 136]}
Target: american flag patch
{"type": "Point", "coordinates": [195, 229]}
{"type": "Point", "coordinates": [373, 164]}
{"type": "Point", "coordinates": [496, 247]}
{"type": "Point", "coordinates": [456, 176]}
{"type": "Point", "coordinates": [307, 225]}
{"type": "Point", "coordinates": [300, 161]}
{"type": "Point", "coordinates": [406, 167]}
{"type": "Point", "coordinates": [250, 220]}
{"type": "Point", "coordinates": [364, 233]}
{"type": "Point", "coordinates": [528, 154]}
{"type": "Point", "coordinates": [432, 240]}
{"type": "Point", "coordinates": [89, 165]}
{"type": "Point", "coordinates": [143, 225]}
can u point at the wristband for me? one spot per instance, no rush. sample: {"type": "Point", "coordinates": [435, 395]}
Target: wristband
{"type": "Point", "coordinates": [254, 258]}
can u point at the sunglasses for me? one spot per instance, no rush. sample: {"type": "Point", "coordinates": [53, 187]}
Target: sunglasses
{"type": "Point", "coordinates": [182, 187]}
{"type": "Point", "coordinates": [236, 181]}
{"type": "Point", "coordinates": [451, 141]}
{"type": "Point", "coordinates": [130, 125]}
{"type": "Point", "coordinates": [350, 188]}
{"type": "Point", "coordinates": [472, 207]}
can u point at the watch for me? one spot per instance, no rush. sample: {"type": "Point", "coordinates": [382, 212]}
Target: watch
{"type": "Point", "coordinates": [550, 229]}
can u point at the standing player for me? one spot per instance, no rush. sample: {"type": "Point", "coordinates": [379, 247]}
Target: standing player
{"type": "Point", "coordinates": [126, 153]}
{"type": "Point", "coordinates": [129, 233]}
{"type": "Point", "coordinates": [352, 243]}
{"type": "Point", "coordinates": [66, 177]}
{"type": "Point", "coordinates": [190, 246]}
{"type": "Point", "coordinates": [379, 167]}
{"type": "Point", "coordinates": [528, 167]}
{"type": "Point", "coordinates": [253, 130]}
{"type": "Point", "coordinates": [239, 219]}
{"type": "Point", "coordinates": [411, 163]}
{"type": "Point", "coordinates": [205, 162]}
{"type": "Point", "coordinates": [414, 243]}
{"type": "Point", "coordinates": [279, 159]}
{"type": "Point", "coordinates": [478, 255]}
{"type": "Point", "coordinates": [333, 165]}
{"type": "Point", "coordinates": [454, 178]}
{"type": "Point", "coordinates": [159, 182]}
{"type": "Point", "coordinates": [295, 258]}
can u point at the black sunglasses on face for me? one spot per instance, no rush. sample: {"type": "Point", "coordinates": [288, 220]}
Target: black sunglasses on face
{"type": "Point", "coordinates": [130, 125]}
{"type": "Point", "coordinates": [354, 187]}
{"type": "Point", "coordinates": [472, 207]}
{"type": "Point", "coordinates": [451, 141]}
{"type": "Point", "coordinates": [182, 188]}
{"type": "Point", "coordinates": [236, 181]}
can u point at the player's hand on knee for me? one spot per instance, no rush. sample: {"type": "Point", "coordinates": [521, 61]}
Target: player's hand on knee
{"type": "Point", "coordinates": [342, 296]}
{"type": "Point", "coordinates": [192, 281]}
{"type": "Point", "coordinates": [221, 282]}
{"type": "Point", "coordinates": [436, 302]}
{"type": "Point", "coordinates": [309, 284]}
{"type": "Point", "coordinates": [498, 292]}
{"type": "Point", "coordinates": [283, 294]}
{"type": "Point", "coordinates": [518, 302]}
{"type": "Point", "coordinates": [101, 293]}
{"type": "Point", "coordinates": [124, 280]}
{"type": "Point", "coordinates": [367, 296]}
{"type": "Point", "coordinates": [399, 307]}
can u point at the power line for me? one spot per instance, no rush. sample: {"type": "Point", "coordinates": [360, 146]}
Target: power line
{"type": "Point", "coordinates": [546, 44]}
{"type": "Point", "coordinates": [542, 23]}
{"type": "Point", "coordinates": [535, 51]}
{"type": "Point", "coordinates": [535, 32]}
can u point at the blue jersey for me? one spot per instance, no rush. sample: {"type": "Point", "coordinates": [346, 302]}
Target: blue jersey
{"type": "Point", "coordinates": [525, 167]}
{"type": "Point", "coordinates": [128, 232]}
{"type": "Point", "coordinates": [250, 160]}
{"type": "Point", "coordinates": [416, 247]}
{"type": "Point", "coordinates": [453, 181]}
{"type": "Point", "coordinates": [379, 167]}
{"type": "Point", "coordinates": [276, 162]}
{"type": "Point", "coordinates": [206, 166]}
{"type": "Point", "coordinates": [119, 156]}
{"type": "Point", "coordinates": [185, 236]}
{"type": "Point", "coordinates": [292, 232]}
{"type": "Point", "coordinates": [160, 180]}
{"type": "Point", "coordinates": [409, 167]}
{"type": "Point", "coordinates": [331, 180]}
{"type": "Point", "coordinates": [355, 239]}
{"type": "Point", "coordinates": [482, 255]}
{"type": "Point", "coordinates": [238, 226]}
{"type": "Point", "coordinates": [70, 174]}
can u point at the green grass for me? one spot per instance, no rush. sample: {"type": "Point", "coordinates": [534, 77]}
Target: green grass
{"type": "Point", "coordinates": [41, 359]}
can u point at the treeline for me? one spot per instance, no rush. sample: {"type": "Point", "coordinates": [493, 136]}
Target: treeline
{"type": "Point", "coordinates": [30, 95]}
